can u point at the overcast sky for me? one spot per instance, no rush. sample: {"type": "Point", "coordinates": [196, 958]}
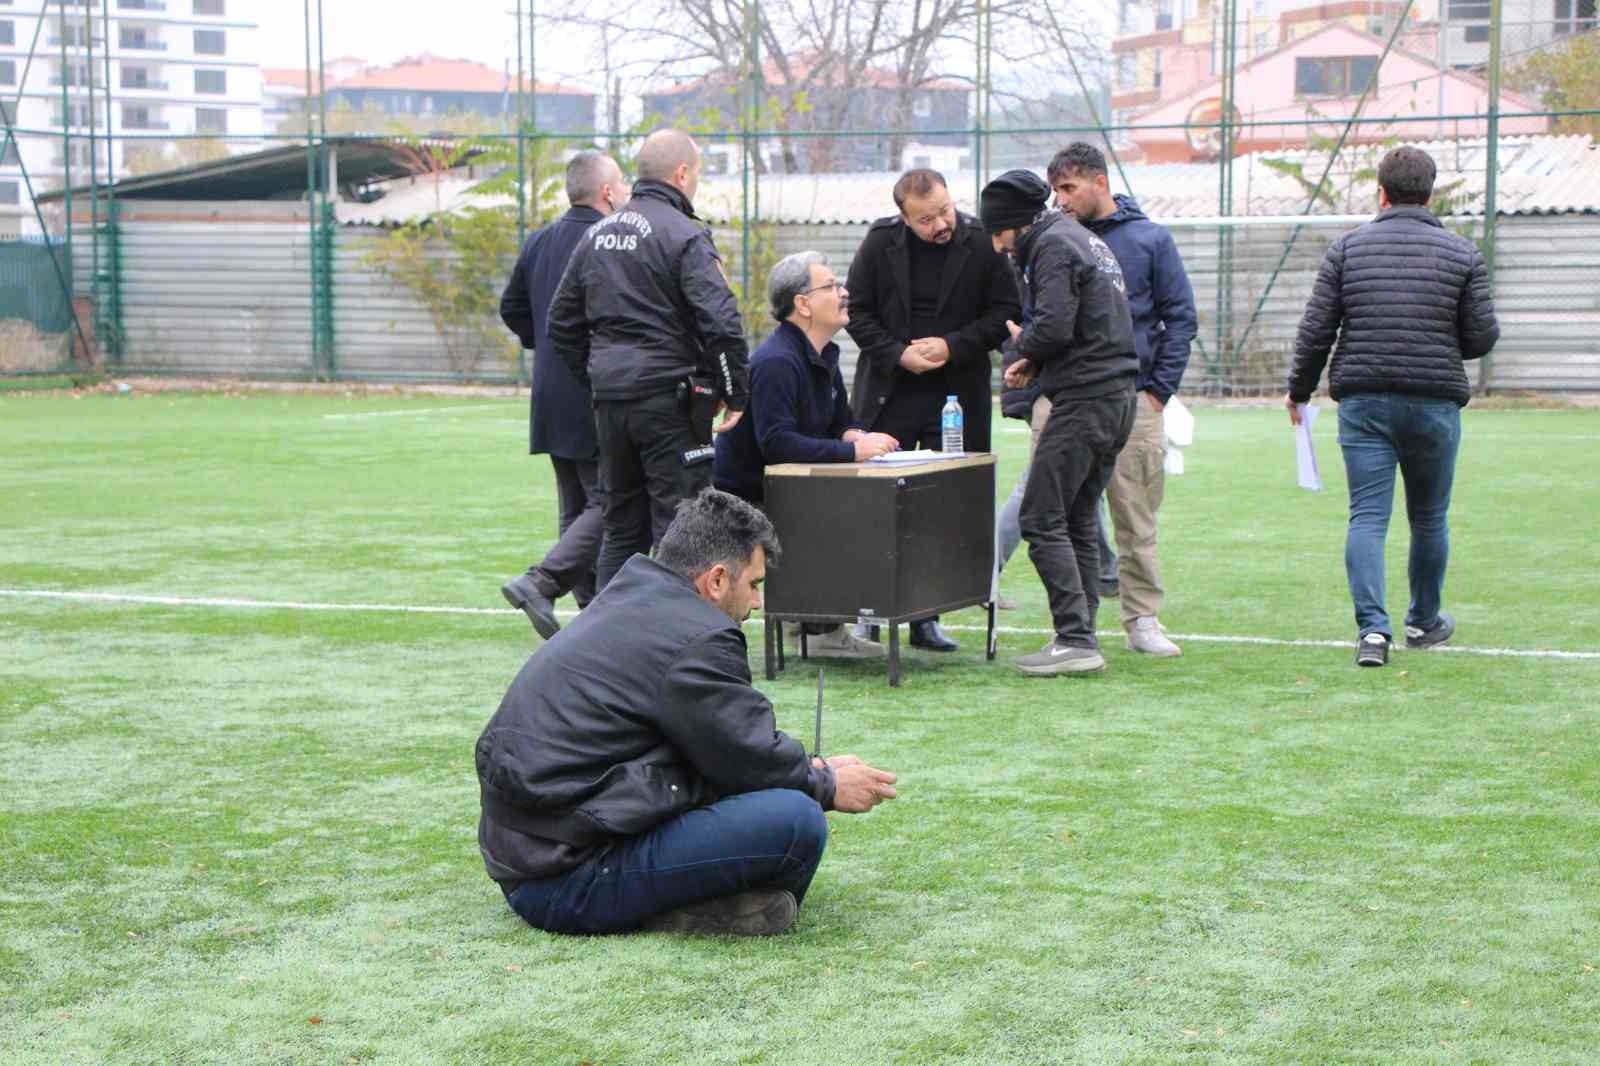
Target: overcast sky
{"type": "Point", "coordinates": [382, 31]}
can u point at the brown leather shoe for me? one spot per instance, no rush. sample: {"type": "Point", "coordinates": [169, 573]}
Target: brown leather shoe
{"type": "Point", "coordinates": [760, 913]}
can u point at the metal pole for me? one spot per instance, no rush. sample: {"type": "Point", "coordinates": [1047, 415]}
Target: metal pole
{"type": "Point", "coordinates": [533, 70]}
{"type": "Point", "coordinates": [977, 104]}
{"type": "Point", "coordinates": [328, 206]}
{"type": "Point", "coordinates": [988, 89]}
{"type": "Point", "coordinates": [113, 303]}
{"type": "Point", "coordinates": [66, 160]}
{"type": "Point", "coordinates": [311, 200]}
{"type": "Point", "coordinates": [522, 164]}
{"type": "Point", "coordinates": [744, 167]}
{"type": "Point", "coordinates": [1230, 15]}
{"type": "Point", "coordinates": [94, 162]}
{"type": "Point", "coordinates": [1491, 179]}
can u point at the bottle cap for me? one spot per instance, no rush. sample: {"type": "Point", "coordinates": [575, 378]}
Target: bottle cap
{"type": "Point", "coordinates": [949, 399]}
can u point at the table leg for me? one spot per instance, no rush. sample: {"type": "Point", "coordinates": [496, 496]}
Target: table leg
{"type": "Point", "coordinates": [805, 652]}
{"type": "Point", "coordinates": [894, 654]}
{"type": "Point", "coordinates": [779, 623]}
{"type": "Point", "coordinates": [767, 626]}
{"type": "Point", "coordinates": [991, 645]}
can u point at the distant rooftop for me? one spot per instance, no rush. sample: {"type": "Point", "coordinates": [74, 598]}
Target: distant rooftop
{"type": "Point", "coordinates": [431, 73]}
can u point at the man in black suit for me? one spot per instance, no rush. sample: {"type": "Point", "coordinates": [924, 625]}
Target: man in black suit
{"type": "Point", "coordinates": [929, 300]}
{"type": "Point", "coordinates": [562, 410]}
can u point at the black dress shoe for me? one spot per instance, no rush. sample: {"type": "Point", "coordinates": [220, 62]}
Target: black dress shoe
{"type": "Point", "coordinates": [521, 593]}
{"type": "Point", "coordinates": [930, 636]}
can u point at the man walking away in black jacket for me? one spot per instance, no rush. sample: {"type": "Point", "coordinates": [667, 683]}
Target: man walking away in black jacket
{"type": "Point", "coordinates": [1079, 343]}
{"type": "Point", "coordinates": [562, 416]}
{"type": "Point", "coordinates": [1406, 301]}
{"type": "Point", "coordinates": [645, 315]}
{"type": "Point", "coordinates": [633, 777]}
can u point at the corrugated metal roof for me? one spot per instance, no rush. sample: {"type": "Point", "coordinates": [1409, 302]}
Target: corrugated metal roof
{"type": "Point", "coordinates": [1545, 174]}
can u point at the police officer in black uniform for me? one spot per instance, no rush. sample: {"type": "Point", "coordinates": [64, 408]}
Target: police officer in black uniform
{"type": "Point", "coordinates": [645, 315]}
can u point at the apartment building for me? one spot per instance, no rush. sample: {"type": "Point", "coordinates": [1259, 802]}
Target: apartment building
{"type": "Point", "coordinates": [176, 67]}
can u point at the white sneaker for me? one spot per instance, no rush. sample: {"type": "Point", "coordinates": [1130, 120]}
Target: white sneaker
{"type": "Point", "coordinates": [840, 643]}
{"type": "Point", "coordinates": [1146, 635]}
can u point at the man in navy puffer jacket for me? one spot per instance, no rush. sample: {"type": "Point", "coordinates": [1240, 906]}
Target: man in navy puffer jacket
{"type": "Point", "coordinates": [1407, 301]}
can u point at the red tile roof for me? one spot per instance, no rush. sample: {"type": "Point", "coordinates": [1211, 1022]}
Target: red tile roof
{"type": "Point", "coordinates": [431, 73]}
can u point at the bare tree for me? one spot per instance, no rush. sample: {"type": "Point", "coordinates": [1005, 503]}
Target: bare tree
{"type": "Point", "coordinates": [828, 65]}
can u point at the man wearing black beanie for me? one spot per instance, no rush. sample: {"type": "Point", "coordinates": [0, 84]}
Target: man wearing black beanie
{"type": "Point", "coordinates": [1079, 343]}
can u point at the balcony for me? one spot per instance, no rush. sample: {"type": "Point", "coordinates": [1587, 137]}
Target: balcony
{"type": "Point", "coordinates": [145, 86]}
{"type": "Point", "coordinates": [139, 43]}
{"type": "Point", "coordinates": [142, 5]}
{"type": "Point", "coordinates": [145, 124]}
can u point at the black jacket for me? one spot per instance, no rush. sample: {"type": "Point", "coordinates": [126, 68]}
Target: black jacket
{"type": "Point", "coordinates": [644, 304]}
{"type": "Point", "coordinates": [1408, 301]}
{"type": "Point", "coordinates": [1079, 336]}
{"type": "Point", "coordinates": [978, 293]}
{"type": "Point", "coordinates": [639, 710]}
{"type": "Point", "coordinates": [1160, 298]}
{"type": "Point", "coordinates": [797, 413]}
{"type": "Point", "coordinates": [562, 422]}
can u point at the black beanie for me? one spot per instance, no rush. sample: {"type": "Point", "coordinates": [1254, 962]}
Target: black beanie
{"type": "Point", "coordinates": [1012, 200]}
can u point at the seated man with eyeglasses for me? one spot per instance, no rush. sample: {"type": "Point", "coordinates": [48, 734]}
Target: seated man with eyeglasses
{"type": "Point", "coordinates": [798, 410]}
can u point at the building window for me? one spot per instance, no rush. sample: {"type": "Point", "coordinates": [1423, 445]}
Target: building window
{"type": "Point", "coordinates": [8, 32]}
{"type": "Point", "coordinates": [8, 71]}
{"type": "Point", "coordinates": [1263, 43]}
{"type": "Point", "coordinates": [79, 154]}
{"type": "Point", "coordinates": [209, 7]}
{"type": "Point", "coordinates": [1333, 75]}
{"type": "Point", "coordinates": [1127, 70]}
{"type": "Point", "coordinates": [1475, 34]}
{"type": "Point", "coordinates": [210, 120]}
{"type": "Point", "coordinates": [210, 81]}
{"type": "Point", "coordinates": [1469, 10]}
{"type": "Point", "coordinates": [139, 118]}
{"type": "Point", "coordinates": [76, 115]}
{"type": "Point", "coordinates": [10, 192]}
{"type": "Point", "coordinates": [210, 43]}
{"type": "Point", "coordinates": [9, 156]}
{"type": "Point", "coordinates": [922, 106]}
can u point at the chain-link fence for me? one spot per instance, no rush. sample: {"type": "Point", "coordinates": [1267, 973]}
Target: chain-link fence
{"type": "Point", "coordinates": [363, 226]}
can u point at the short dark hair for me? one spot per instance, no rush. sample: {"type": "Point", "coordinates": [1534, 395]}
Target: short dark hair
{"type": "Point", "coordinates": [1079, 157]}
{"type": "Point", "coordinates": [586, 173]}
{"type": "Point", "coordinates": [1407, 174]}
{"type": "Point", "coordinates": [919, 182]}
{"type": "Point", "coordinates": [716, 527]}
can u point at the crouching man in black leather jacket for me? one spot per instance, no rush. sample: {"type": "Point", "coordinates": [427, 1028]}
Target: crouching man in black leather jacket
{"type": "Point", "coordinates": [633, 777]}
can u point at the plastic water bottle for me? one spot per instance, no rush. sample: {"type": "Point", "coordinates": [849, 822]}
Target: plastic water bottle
{"type": "Point", "coordinates": [953, 426]}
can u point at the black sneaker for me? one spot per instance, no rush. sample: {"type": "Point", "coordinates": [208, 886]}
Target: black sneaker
{"type": "Point", "coordinates": [1442, 630]}
{"type": "Point", "coordinates": [1373, 650]}
{"type": "Point", "coordinates": [763, 913]}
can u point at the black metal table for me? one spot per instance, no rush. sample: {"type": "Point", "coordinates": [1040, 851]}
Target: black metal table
{"type": "Point", "coordinates": [879, 543]}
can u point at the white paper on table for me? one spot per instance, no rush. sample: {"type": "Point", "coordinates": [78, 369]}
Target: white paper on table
{"type": "Point", "coordinates": [1305, 453]}
{"type": "Point", "coordinates": [923, 455]}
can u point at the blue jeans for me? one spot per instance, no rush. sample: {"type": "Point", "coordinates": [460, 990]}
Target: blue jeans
{"type": "Point", "coordinates": [769, 839]}
{"type": "Point", "coordinates": [1420, 434]}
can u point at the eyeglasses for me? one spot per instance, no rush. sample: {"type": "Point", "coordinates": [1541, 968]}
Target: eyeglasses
{"type": "Point", "coordinates": [835, 285]}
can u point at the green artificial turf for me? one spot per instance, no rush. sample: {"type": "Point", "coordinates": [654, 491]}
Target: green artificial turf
{"type": "Point", "coordinates": [236, 834]}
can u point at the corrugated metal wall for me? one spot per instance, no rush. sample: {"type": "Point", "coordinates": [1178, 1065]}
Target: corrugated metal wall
{"type": "Point", "coordinates": [236, 299]}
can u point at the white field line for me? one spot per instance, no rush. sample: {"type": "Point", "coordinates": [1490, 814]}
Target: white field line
{"type": "Point", "coordinates": [393, 608]}
{"type": "Point", "coordinates": [420, 411]}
